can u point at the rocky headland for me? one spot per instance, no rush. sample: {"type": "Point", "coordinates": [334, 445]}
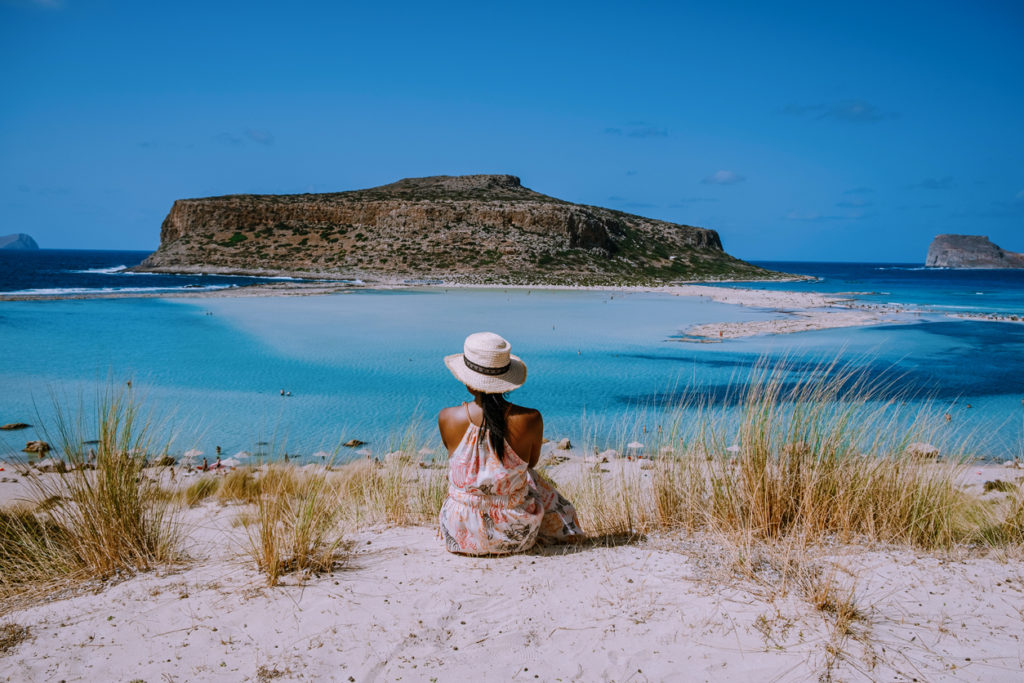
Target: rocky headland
{"type": "Point", "coordinates": [18, 240]}
{"type": "Point", "coordinates": [470, 229]}
{"type": "Point", "coordinates": [970, 251]}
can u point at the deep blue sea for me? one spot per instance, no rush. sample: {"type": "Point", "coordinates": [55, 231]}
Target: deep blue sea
{"type": "Point", "coordinates": [72, 272]}
{"type": "Point", "coordinates": [604, 367]}
{"type": "Point", "coordinates": [939, 289]}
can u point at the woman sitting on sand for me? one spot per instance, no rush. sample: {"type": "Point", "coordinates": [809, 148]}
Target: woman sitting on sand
{"type": "Point", "coordinates": [496, 503]}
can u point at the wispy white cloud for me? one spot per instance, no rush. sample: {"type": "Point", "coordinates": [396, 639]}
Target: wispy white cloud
{"type": "Point", "coordinates": [944, 183]}
{"type": "Point", "coordinates": [817, 217]}
{"type": "Point", "coordinates": [262, 136]}
{"type": "Point", "coordinates": [257, 135]}
{"type": "Point", "coordinates": [810, 216]}
{"type": "Point", "coordinates": [847, 111]}
{"type": "Point", "coordinates": [43, 4]}
{"type": "Point", "coordinates": [694, 200]}
{"type": "Point", "coordinates": [853, 203]}
{"type": "Point", "coordinates": [638, 129]}
{"type": "Point", "coordinates": [723, 178]}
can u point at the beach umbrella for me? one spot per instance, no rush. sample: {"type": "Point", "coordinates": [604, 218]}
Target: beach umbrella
{"type": "Point", "coordinates": [634, 445]}
{"type": "Point", "coordinates": [229, 462]}
{"type": "Point", "coordinates": [241, 455]}
{"type": "Point", "coordinates": [364, 451]}
{"type": "Point", "coordinates": [321, 454]}
{"type": "Point", "coordinates": [426, 451]}
{"type": "Point", "coordinates": [189, 457]}
{"type": "Point", "coordinates": [733, 449]}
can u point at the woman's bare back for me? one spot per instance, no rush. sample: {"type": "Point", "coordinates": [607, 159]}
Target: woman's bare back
{"type": "Point", "coordinates": [524, 429]}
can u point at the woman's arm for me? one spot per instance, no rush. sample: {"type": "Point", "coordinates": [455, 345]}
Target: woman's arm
{"type": "Point", "coordinates": [536, 430]}
{"type": "Point", "coordinates": [445, 420]}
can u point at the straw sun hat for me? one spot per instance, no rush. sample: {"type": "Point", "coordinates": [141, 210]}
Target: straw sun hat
{"type": "Point", "coordinates": [486, 364]}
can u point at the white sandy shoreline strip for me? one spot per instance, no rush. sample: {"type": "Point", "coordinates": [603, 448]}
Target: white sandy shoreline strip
{"type": "Point", "coordinates": [798, 311]}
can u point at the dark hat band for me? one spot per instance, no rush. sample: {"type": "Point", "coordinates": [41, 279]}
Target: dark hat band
{"type": "Point", "coordinates": [484, 370]}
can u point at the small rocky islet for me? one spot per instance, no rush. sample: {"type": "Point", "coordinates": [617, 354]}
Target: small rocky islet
{"type": "Point", "coordinates": [18, 241]}
{"type": "Point", "coordinates": [970, 251]}
{"type": "Point", "coordinates": [477, 229]}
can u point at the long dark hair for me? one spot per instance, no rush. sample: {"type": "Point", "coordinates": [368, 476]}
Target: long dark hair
{"type": "Point", "coordinates": [495, 408]}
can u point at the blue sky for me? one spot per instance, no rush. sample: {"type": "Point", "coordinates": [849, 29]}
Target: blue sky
{"type": "Point", "coordinates": [803, 131]}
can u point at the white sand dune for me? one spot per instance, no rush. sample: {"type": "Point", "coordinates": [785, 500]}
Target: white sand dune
{"type": "Point", "coordinates": [660, 609]}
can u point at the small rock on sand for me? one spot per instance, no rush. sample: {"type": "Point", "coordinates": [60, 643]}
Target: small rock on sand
{"type": "Point", "coordinates": [37, 447]}
{"type": "Point", "coordinates": [397, 458]}
{"type": "Point", "coordinates": [51, 465]}
{"type": "Point", "coordinates": [564, 445]}
{"type": "Point", "coordinates": [924, 451]}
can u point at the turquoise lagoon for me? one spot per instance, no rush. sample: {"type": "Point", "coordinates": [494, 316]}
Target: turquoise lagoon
{"type": "Point", "coordinates": [366, 363]}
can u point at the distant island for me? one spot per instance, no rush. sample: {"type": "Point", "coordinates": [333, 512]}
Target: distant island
{"type": "Point", "coordinates": [970, 251]}
{"type": "Point", "coordinates": [470, 229]}
{"type": "Point", "coordinates": [18, 240]}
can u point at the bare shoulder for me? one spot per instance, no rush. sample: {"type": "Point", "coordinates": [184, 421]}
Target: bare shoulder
{"type": "Point", "coordinates": [453, 417]}
{"type": "Point", "coordinates": [525, 419]}
{"type": "Point", "coordinates": [451, 422]}
{"type": "Point", "coordinates": [447, 414]}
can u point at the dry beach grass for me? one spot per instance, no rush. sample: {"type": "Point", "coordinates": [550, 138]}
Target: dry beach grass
{"type": "Point", "coordinates": [802, 505]}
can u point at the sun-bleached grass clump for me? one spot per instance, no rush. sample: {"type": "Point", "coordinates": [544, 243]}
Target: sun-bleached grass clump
{"type": "Point", "coordinates": [824, 455]}
{"type": "Point", "coordinates": [201, 489]}
{"type": "Point", "coordinates": [611, 503]}
{"type": "Point", "coordinates": [295, 525]}
{"type": "Point", "coordinates": [99, 517]}
{"type": "Point", "coordinates": [239, 486]}
{"type": "Point", "coordinates": [397, 491]}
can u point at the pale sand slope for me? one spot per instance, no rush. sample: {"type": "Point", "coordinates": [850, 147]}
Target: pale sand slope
{"type": "Point", "coordinates": [663, 609]}
{"type": "Point", "coordinates": [802, 311]}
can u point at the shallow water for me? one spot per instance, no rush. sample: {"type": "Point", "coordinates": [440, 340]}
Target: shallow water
{"type": "Point", "coordinates": [364, 363]}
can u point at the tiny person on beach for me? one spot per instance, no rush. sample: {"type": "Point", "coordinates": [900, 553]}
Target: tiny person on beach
{"type": "Point", "coordinates": [497, 504]}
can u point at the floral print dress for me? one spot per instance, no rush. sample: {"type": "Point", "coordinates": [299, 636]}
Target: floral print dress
{"type": "Point", "coordinates": [494, 509]}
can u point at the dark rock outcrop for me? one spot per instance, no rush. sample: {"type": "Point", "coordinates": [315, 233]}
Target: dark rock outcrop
{"type": "Point", "coordinates": [18, 240]}
{"type": "Point", "coordinates": [970, 251]}
{"type": "Point", "coordinates": [482, 228]}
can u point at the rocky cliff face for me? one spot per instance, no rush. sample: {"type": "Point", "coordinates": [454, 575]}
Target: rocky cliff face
{"type": "Point", "coordinates": [486, 228]}
{"type": "Point", "coordinates": [17, 241]}
{"type": "Point", "coordinates": [970, 251]}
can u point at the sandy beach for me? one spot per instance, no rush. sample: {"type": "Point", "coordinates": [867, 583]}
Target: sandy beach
{"type": "Point", "coordinates": [665, 606]}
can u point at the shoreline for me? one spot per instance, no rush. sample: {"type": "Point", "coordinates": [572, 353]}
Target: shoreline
{"type": "Point", "coordinates": [798, 311]}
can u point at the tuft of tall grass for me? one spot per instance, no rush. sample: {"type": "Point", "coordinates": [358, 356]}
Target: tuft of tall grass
{"type": "Point", "coordinates": [397, 491]}
{"type": "Point", "coordinates": [611, 503]}
{"type": "Point", "coordinates": [99, 517]}
{"type": "Point", "coordinates": [822, 455]}
{"type": "Point", "coordinates": [198, 491]}
{"type": "Point", "coordinates": [296, 524]}
{"type": "Point", "coordinates": [1006, 529]}
{"type": "Point", "coordinates": [239, 486]}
